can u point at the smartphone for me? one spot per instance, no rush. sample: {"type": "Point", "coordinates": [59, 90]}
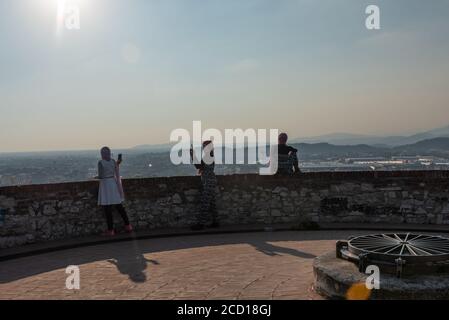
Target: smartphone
{"type": "Point", "coordinates": [120, 157]}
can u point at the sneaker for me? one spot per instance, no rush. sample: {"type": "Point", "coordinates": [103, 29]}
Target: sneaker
{"type": "Point", "coordinates": [197, 227]}
{"type": "Point", "coordinates": [109, 233]}
{"type": "Point", "coordinates": [129, 228]}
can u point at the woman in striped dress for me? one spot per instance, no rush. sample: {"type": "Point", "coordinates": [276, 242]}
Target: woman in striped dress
{"type": "Point", "coordinates": [207, 216]}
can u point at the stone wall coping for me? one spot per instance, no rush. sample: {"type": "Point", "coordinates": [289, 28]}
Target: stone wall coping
{"type": "Point", "coordinates": [239, 178]}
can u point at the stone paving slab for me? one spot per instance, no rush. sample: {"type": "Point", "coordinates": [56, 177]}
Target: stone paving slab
{"type": "Point", "coordinates": [262, 265]}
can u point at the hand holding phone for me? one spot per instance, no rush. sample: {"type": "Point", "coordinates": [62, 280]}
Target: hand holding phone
{"type": "Point", "coordinates": [120, 159]}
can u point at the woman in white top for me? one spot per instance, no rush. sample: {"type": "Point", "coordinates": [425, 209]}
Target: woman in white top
{"type": "Point", "coordinates": [110, 193]}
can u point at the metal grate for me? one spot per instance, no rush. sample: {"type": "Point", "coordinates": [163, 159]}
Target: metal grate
{"type": "Point", "coordinates": [398, 252]}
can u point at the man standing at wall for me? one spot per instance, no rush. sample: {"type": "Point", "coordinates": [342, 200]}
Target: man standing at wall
{"type": "Point", "coordinates": [287, 157]}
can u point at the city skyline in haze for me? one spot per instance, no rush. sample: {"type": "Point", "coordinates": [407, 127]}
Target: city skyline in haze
{"type": "Point", "coordinates": [138, 69]}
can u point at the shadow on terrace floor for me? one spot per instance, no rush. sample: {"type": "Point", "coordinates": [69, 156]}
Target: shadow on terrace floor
{"type": "Point", "coordinates": [129, 257]}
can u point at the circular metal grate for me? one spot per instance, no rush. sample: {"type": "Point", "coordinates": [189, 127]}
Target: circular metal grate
{"type": "Point", "coordinates": [396, 251]}
{"type": "Point", "coordinates": [412, 247]}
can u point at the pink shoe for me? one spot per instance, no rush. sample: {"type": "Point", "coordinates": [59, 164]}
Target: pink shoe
{"type": "Point", "coordinates": [129, 228]}
{"type": "Point", "coordinates": [109, 233]}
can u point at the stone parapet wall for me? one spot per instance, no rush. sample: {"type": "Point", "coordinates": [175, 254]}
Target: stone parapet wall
{"type": "Point", "coordinates": [38, 213]}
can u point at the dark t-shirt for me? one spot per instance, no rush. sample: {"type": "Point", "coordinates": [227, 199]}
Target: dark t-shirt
{"type": "Point", "coordinates": [286, 162]}
{"type": "Point", "coordinates": [285, 149]}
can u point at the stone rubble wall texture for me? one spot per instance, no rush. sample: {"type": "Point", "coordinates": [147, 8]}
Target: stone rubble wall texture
{"type": "Point", "coordinates": [38, 213]}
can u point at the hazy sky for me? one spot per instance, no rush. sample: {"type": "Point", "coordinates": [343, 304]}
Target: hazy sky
{"type": "Point", "coordinates": [137, 69]}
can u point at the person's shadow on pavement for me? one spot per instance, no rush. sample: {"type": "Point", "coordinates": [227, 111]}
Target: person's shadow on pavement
{"type": "Point", "coordinates": [132, 263]}
{"type": "Point", "coordinates": [273, 250]}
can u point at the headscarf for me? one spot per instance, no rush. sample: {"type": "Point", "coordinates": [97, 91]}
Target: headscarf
{"type": "Point", "coordinates": [106, 153]}
{"type": "Point", "coordinates": [211, 148]}
{"type": "Point", "coordinates": [283, 137]}
{"type": "Point", "coordinates": [206, 143]}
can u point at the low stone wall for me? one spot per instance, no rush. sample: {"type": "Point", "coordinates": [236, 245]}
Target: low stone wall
{"type": "Point", "coordinates": [39, 213]}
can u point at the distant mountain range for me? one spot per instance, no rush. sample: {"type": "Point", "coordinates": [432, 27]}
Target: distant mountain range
{"type": "Point", "coordinates": [436, 147]}
{"type": "Point", "coordinates": [432, 142]}
{"type": "Point", "coordinates": [386, 141]}
{"type": "Point", "coordinates": [344, 139]}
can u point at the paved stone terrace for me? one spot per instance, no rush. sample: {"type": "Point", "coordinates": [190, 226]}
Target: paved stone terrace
{"type": "Point", "coordinates": [264, 265]}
